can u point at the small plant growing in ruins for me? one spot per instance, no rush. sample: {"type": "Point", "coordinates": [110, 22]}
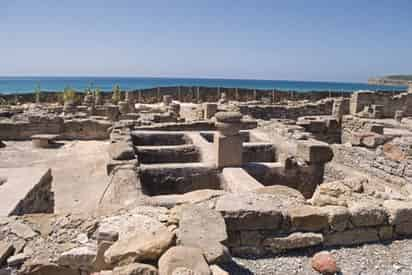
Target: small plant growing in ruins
{"type": "Point", "coordinates": [37, 93]}
{"type": "Point", "coordinates": [97, 92]}
{"type": "Point", "coordinates": [117, 94]}
{"type": "Point", "coordinates": [69, 95]}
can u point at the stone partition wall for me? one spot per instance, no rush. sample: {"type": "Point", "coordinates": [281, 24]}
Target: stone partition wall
{"type": "Point", "coordinates": [323, 107]}
{"type": "Point", "coordinates": [390, 102]}
{"type": "Point", "coordinates": [65, 129]}
{"type": "Point", "coordinates": [375, 162]}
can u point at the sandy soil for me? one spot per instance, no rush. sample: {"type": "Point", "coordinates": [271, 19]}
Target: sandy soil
{"type": "Point", "coordinates": [78, 169]}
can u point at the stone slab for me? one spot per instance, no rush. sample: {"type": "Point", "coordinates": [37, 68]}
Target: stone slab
{"type": "Point", "coordinates": [238, 180]}
{"type": "Point", "coordinates": [20, 182]}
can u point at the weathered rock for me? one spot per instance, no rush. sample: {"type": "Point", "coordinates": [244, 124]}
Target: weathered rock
{"type": "Point", "coordinates": [404, 228]}
{"type": "Point", "coordinates": [325, 263]}
{"type": "Point", "coordinates": [399, 211]}
{"type": "Point", "coordinates": [337, 192]}
{"type": "Point", "coordinates": [367, 214]}
{"type": "Point", "coordinates": [203, 228]}
{"type": "Point", "coordinates": [46, 268]}
{"type": "Point", "coordinates": [250, 211]}
{"type": "Point", "coordinates": [308, 218]}
{"type": "Point", "coordinates": [140, 247]}
{"type": "Point", "coordinates": [314, 151]}
{"type": "Point", "coordinates": [6, 250]}
{"type": "Point", "coordinates": [293, 241]}
{"type": "Point", "coordinates": [183, 257]}
{"type": "Point", "coordinates": [135, 269]}
{"type": "Point", "coordinates": [281, 191]}
{"type": "Point", "coordinates": [22, 230]}
{"type": "Point", "coordinates": [121, 151]}
{"type": "Point", "coordinates": [79, 257]}
{"type": "Point", "coordinates": [2, 144]}
{"type": "Point", "coordinates": [184, 271]}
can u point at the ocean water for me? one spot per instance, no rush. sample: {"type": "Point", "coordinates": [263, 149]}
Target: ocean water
{"type": "Point", "coordinates": [28, 84]}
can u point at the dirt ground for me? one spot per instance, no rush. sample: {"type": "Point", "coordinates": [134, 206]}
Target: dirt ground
{"type": "Point", "coordinates": [78, 169]}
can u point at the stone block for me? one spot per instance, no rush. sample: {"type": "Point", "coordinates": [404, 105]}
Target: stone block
{"type": "Point", "coordinates": [228, 150]}
{"type": "Point", "coordinates": [250, 211]}
{"type": "Point", "coordinates": [237, 180]}
{"type": "Point", "coordinates": [338, 217]}
{"type": "Point", "coordinates": [308, 218]}
{"type": "Point", "coordinates": [367, 214]}
{"type": "Point", "coordinates": [404, 228]}
{"type": "Point", "coordinates": [352, 237]}
{"type": "Point", "coordinates": [209, 110]}
{"type": "Point", "coordinates": [314, 151]}
{"type": "Point", "coordinates": [398, 211]}
{"type": "Point", "coordinates": [293, 241]}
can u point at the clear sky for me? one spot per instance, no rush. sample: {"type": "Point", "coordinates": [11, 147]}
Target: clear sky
{"type": "Point", "coordinates": [348, 40]}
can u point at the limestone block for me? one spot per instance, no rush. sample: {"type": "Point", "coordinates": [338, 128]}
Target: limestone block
{"type": "Point", "coordinates": [404, 228]}
{"type": "Point", "coordinates": [367, 214]}
{"type": "Point", "coordinates": [293, 241]}
{"type": "Point", "coordinates": [250, 211]}
{"type": "Point", "coordinates": [209, 109]}
{"type": "Point", "coordinates": [352, 237]}
{"type": "Point", "coordinates": [338, 217]}
{"type": "Point", "coordinates": [228, 150]}
{"type": "Point", "coordinates": [308, 218]}
{"type": "Point", "coordinates": [237, 180]}
{"type": "Point", "coordinates": [399, 211]}
{"type": "Point", "coordinates": [374, 128]}
{"type": "Point", "coordinates": [314, 151]}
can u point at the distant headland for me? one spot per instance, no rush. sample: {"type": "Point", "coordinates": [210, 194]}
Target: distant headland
{"type": "Point", "coordinates": [392, 80]}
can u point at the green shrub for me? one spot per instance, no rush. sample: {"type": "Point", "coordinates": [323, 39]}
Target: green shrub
{"type": "Point", "coordinates": [117, 94]}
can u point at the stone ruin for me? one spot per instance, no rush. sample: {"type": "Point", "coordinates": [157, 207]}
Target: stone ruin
{"type": "Point", "coordinates": [187, 186]}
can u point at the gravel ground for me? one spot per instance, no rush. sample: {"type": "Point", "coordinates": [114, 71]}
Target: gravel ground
{"type": "Point", "coordinates": [392, 258]}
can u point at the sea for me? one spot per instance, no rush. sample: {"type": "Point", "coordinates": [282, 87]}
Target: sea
{"type": "Point", "coordinates": [22, 85]}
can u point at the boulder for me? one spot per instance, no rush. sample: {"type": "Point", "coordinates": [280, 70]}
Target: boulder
{"type": "Point", "coordinates": [203, 228]}
{"type": "Point", "coordinates": [135, 269]}
{"type": "Point", "coordinates": [141, 246]}
{"type": "Point", "coordinates": [183, 257]}
{"type": "Point", "coordinates": [324, 263]}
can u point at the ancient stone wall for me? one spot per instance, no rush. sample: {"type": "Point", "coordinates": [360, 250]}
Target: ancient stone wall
{"type": "Point", "coordinates": [66, 129]}
{"type": "Point", "coordinates": [266, 112]}
{"type": "Point", "coordinates": [376, 163]}
{"type": "Point", "coordinates": [390, 102]}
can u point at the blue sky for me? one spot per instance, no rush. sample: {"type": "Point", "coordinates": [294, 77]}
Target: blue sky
{"type": "Point", "coordinates": [268, 39]}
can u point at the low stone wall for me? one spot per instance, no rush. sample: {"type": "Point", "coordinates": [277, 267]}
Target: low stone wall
{"type": "Point", "coordinates": [374, 163]}
{"type": "Point", "coordinates": [257, 226]}
{"type": "Point", "coordinates": [65, 129]}
{"type": "Point", "coordinates": [266, 112]}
